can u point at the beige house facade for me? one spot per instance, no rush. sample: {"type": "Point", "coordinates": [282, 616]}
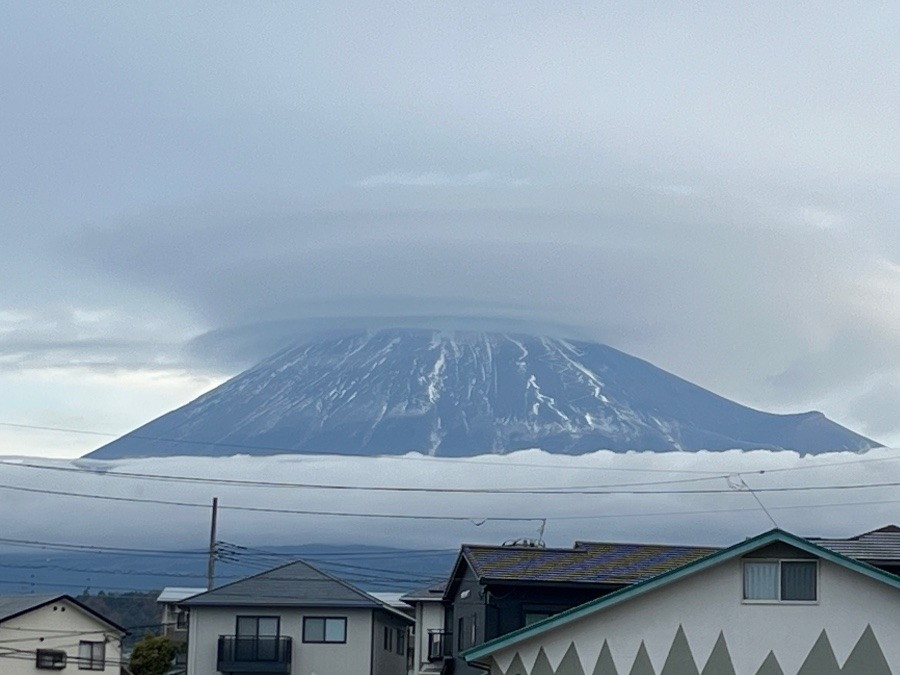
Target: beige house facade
{"type": "Point", "coordinates": [295, 620]}
{"type": "Point", "coordinates": [41, 634]}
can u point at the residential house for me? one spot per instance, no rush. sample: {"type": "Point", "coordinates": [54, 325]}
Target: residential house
{"type": "Point", "coordinates": [775, 604]}
{"type": "Point", "coordinates": [880, 548]}
{"type": "Point", "coordinates": [39, 633]}
{"type": "Point", "coordinates": [174, 616]}
{"type": "Point", "coordinates": [175, 622]}
{"type": "Point", "coordinates": [294, 620]}
{"type": "Point", "coordinates": [430, 643]}
{"type": "Point", "coordinates": [494, 590]}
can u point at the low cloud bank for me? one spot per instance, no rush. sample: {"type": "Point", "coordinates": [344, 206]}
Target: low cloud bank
{"type": "Point", "coordinates": [700, 497]}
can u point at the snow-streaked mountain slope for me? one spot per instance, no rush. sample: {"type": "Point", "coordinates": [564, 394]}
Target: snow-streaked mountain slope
{"type": "Point", "coordinates": [461, 394]}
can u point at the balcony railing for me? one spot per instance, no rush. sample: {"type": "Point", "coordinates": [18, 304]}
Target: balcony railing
{"type": "Point", "coordinates": [439, 644]}
{"type": "Point", "coordinates": [254, 654]}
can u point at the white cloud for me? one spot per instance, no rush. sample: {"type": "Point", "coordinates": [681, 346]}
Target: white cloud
{"type": "Point", "coordinates": [722, 517]}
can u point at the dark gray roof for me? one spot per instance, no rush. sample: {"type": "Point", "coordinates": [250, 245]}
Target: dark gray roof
{"type": "Point", "coordinates": [297, 584]}
{"type": "Point", "coordinates": [15, 605]}
{"type": "Point", "coordinates": [880, 545]}
{"type": "Point", "coordinates": [586, 562]}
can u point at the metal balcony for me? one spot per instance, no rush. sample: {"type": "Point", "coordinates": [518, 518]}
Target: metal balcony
{"type": "Point", "coordinates": [254, 654]}
{"type": "Point", "coordinates": [439, 644]}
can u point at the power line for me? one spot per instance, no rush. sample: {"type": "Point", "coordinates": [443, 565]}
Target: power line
{"type": "Point", "coordinates": [236, 482]}
{"type": "Point", "coordinates": [266, 509]}
{"type": "Point", "coordinates": [610, 489]}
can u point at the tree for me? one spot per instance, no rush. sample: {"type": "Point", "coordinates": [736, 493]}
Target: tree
{"type": "Point", "coordinates": [153, 655]}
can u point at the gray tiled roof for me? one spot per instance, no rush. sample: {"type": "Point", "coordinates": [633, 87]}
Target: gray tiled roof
{"type": "Point", "coordinates": [586, 562]}
{"type": "Point", "coordinates": [297, 584]}
{"type": "Point", "coordinates": [880, 545]}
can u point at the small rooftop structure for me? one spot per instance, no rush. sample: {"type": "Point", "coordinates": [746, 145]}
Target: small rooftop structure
{"type": "Point", "coordinates": [172, 594]}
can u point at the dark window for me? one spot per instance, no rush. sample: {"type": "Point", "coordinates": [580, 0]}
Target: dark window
{"type": "Point", "coordinates": [181, 619]}
{"type": "Point", "coordinates": [325, 629]}
{"type": "Point", "coordinates": [534, 617]}
{"type": "Point", "coordinates": [50, 659]}
{"type": "Point", "coordinates": [780, 580]}
{"type": "Point", "coordinates": [401, 640]}
{"type": "Point", "coordinates": [91, 655]}
{"type": "Point", "coordinates": [257, 638]}
{"type": "Point", "coordinates": [798, 580]}
{"type": "Point", "coordinates": [389, 638]}
{"type": "Point", "coordinates": [461, 634]}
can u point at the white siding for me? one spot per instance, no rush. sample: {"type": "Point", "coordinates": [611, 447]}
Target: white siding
{"type": "Point", "coordinates": [429, 615]}
{"type": "Point", "coordinates": [60, 625]}
{"type": "Point", "coordinates": [711, 601]}
{"type": "Point", "coordinates": [389, 662]}
{"type": "Point", "coordinates": [208, 623]}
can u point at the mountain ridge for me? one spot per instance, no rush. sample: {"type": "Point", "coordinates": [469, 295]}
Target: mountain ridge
{"type": "Point", "coordinates": [464, 393]}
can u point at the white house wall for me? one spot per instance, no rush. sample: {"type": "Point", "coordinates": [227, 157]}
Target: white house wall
{"type": "Point", "coordinates": [709, 603]}
{"type": "Point", "coordinates": [60, 625]}
{"type": "Point", "coordinates": [429, 616]}
{"type": "Point", "coordinates": [208, 623]}
{"type": "Point", "coordinates": [389, 662]}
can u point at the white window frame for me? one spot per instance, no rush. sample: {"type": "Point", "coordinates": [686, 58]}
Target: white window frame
{"type": "Point", "coordinates": [327, 621]}
{"type": "Point", "coordinates": [91, 660]}
{"type": "Point", "coordinates": [777, 600]}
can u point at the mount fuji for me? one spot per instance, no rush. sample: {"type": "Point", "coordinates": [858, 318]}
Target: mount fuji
{"type": "Point", "coordinates": [462, 394]}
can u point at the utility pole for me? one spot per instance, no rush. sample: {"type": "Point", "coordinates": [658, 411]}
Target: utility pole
{"type": "Point", "coordinates": [211, 563]}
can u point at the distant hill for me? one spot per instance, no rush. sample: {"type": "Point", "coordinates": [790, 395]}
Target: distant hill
{"type": "Point", "coordinates": [124, 574]}
{"type": "Point", "coordinates": [463, 394]}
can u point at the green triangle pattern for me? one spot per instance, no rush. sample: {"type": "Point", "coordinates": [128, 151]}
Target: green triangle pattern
{"type": "Point", "coordinates": [605, 664]}
{"type": "Point", "coordinates": [571, 663]}
{"type": "Point", "coordinates": [542, 664]}
{"type": "Point", "coordinates": [642, 664]}
{"type": "Point", "coordinates": [516, 667]}
{"type": "Point", "coordinates": [866, 657]}
{"type": "Point", "coordinates": [821, 659]}
{"type": "Point", "coordinates": [680, 661]}
{"type": "Point", "coordinates": [770, 666]}
{"type": "Point", "coordinates": [719, 662]}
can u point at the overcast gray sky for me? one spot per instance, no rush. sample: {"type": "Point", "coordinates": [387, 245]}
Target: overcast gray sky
{"type": "Point", "coordinates": [712, 186]}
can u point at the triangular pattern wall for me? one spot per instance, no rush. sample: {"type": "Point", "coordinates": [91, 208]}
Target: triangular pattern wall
{"type": "Point", "coordinates": [770, 666]}
{"type": "Point", "coordinates": [719, 661]}
{"type": "Point", "coordinates": [516, 667]}
{"type": "Point", "coordinates": [542, 664]}
{"type": "Point", "coordinates": [642, 664]}
{"type": "Point", "coordinates": [821, 659]}
{"type": "Point", "coordinates": [866, 658]}
{"type": "Point", "coordinates": [605, 664]}
{"type": "Point", "coordinates": [571, 663]}
{"type": "Point", "coordinates": [680, 660]}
